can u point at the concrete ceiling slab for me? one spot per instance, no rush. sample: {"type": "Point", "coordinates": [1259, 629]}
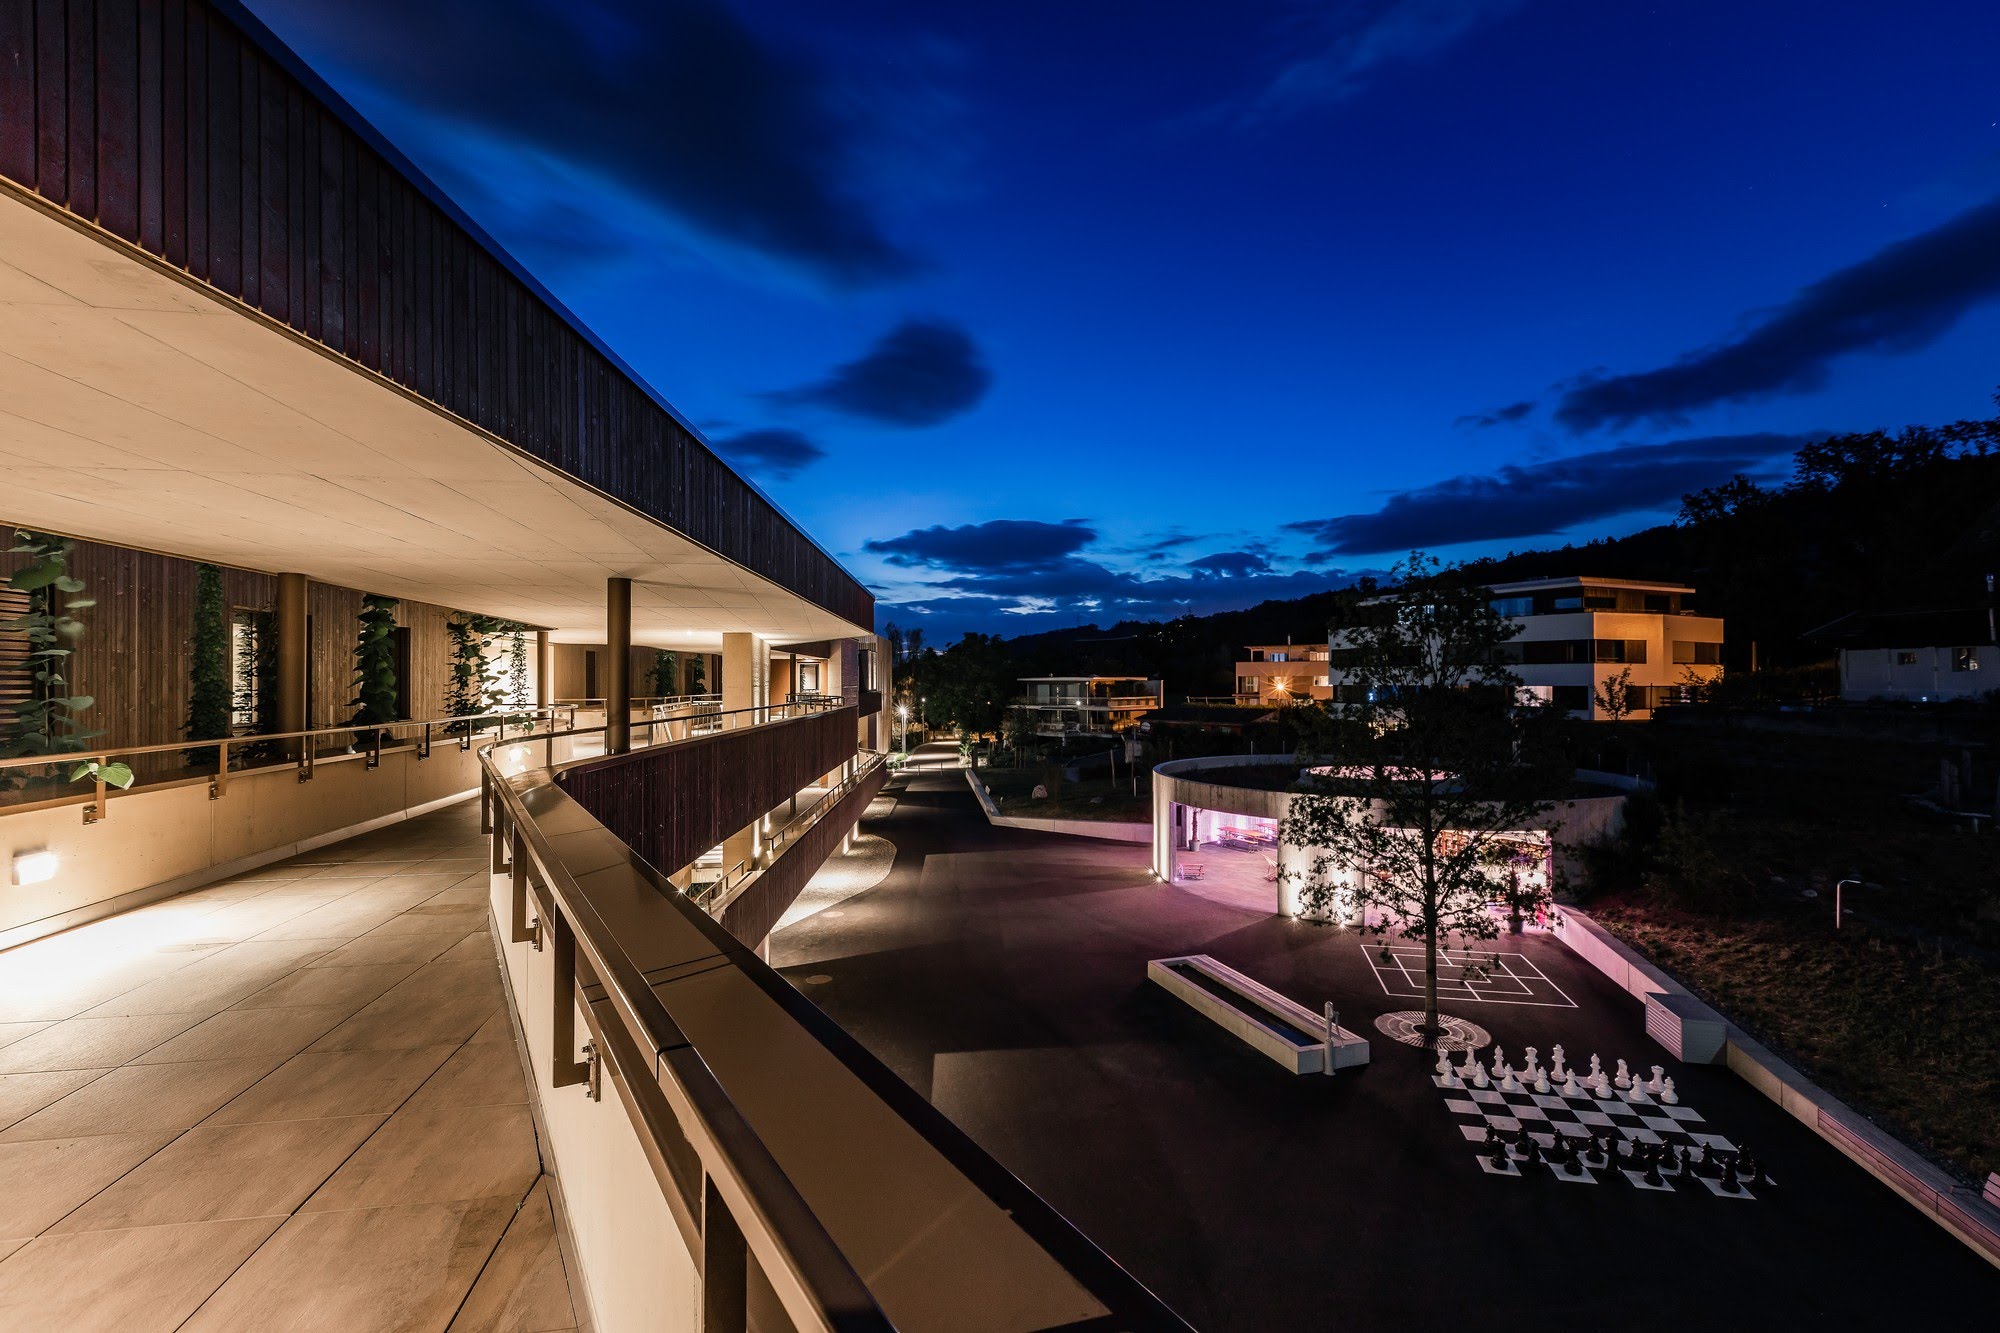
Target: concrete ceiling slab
{"type": "Point", "coordinates": [139, 409]}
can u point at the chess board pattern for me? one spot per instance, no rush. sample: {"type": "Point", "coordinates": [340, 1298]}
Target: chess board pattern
{"type": "Point", "coordinates": [1581, 1116]}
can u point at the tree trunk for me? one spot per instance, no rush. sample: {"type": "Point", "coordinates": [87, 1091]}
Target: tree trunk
{"type": "Point", "coordinates": [1431, 1029]}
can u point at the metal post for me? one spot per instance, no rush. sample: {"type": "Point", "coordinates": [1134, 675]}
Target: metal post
{"type": "Point", "coordinates": [725, 1294]}
{"type": "Point", "coordinates": [1332, 1027]}
{"type": "Point", "coordinates": [1838, 886]}
{"type": "Point", "coordinates": [289, 620]}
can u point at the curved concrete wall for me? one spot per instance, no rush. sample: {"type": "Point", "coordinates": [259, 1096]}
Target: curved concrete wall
{"type": "Point", "coordinates": [1572, 824]}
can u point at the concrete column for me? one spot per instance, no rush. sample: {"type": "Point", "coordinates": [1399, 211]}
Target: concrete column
{"type": "Point", "coordinates": [294, 655]}
{"type": "Point", "coordinates": [618, 666]}
{"type": "Point", "coordinates": [545, 669]}
{"type": "Point", "coordinates": [738, 684]}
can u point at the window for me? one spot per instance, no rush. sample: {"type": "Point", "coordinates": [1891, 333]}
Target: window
{"type": "Point", "coordinates": [1514, 606]}
{"type": "Point", "coordinates": [1697, 654]}
{"type": "Point", "coordinates": [1660, 603]}
{"type": "Point", "coordinates": [1628, 652]}
{"type": "Point", "coordinates": [1570, 698]}
{"type": "Point", "coordinates": [1600, 599]}
{"type": "Point", "coordinates": [1555, 652]}
{"type": "Point", "coordinates": [1277, 657]}
{"type": "Point", "coordinates": [1246, 684]}
{"type": "Point", "coordinates": [1906, 657]}
{"type": "Point", "coordinates": [1965, 659]}
{"type": "Point", "coordinates": [808, 682]}
{"type": "Point", "coordinates": [1321, 680]}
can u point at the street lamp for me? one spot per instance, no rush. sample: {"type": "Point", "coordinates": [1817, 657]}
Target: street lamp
{"type": "Point", "coordinates": [1838, 886]}
{"type": "Point", "coordinates": [903, 725]}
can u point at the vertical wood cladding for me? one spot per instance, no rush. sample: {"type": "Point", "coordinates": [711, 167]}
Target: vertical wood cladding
{"type": "Point", "coordinates": [754, 914]}
{"type": "Point", "coordinates": [132, 657]}
{"type": "Point", "coordinates": [183, 128]}
{"type": "Point", "coordinates": [673, 803]}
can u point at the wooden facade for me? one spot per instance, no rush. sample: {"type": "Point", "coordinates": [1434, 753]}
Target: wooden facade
{"type": "Point", "coordinates": [185, 129]}
{"type": "Point", "coordinates": [673, 803]}
{"type": "Point", "coordinates": [133, 654]}
{"type": "Point", "coordinates": [756, 912]}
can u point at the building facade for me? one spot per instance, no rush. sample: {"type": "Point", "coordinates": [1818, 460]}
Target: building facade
{"type": "Point", "coordinates": [1578, 635]}
{"type": "Point", "coordinates": [1281, 673]}
{"type": "Point", "coordinates": [1086, 705]}
{"type": "Point", "coordinates": [1915, 656]}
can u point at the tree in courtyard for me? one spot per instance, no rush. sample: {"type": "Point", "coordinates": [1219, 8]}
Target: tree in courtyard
{"type": "Point", "coordinates": [1616, 696]}
{"type": "Point", "coordinates": [970, 685]}
{"type": "Point", "coordinates": [1439, 771]}
{"type": "Point", "coordinates": [666, 672]}
{"type": "Point", "coordinates": [208, 665]}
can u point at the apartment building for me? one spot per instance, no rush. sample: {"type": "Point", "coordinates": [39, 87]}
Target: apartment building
{"type": "Point", "coordinates": [1087, 705]}
{"type": "Point", "coordinates": [1578, 633]}
{"type": "Point", "coordinates": [1279, 673]}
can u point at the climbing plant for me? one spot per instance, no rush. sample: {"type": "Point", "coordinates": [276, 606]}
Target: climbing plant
{"type": "Point", "coordinates": [696, 673]}
{"type": "Point", "coordinates": [208, 666]}
{"type": "Point", "coordinates": [374, 698]}
{"type": "Point", "coordinates": [666, 672]}
{"type": "Point", "coordinates": [517, 667]}
{"type": "Point", "coordinates": [50, 722]}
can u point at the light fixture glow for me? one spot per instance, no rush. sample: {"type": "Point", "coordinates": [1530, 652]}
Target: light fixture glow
{"type": "Point", "coordinates": [34, 867]}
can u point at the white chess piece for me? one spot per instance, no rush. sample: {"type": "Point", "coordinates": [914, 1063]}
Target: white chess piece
{"type": "Point", "coordinates": [1668, 1095]}
{"type": "Point", "coordinates": [1596, 1068]}
{"type": "Point", "coordinates": [1510, 1083]}
{"type": "Point", "coordinates": [1601, 1084]}
{"type": "Point", "coordinates": [1653, 1084]}
{"type": "Point", "coordinates": [1541, 1080]}
{"type": "Point", "coordinates": [1623, 1078]}
{"type": "Point", "coordinates": [1529, 1069]}
{"type": "Point", "coordinates": [1465, 1065]}
{"type": "Point", "coordinates": [1556, 1068]}
{"type": "Point", "coordinates": [1636, 1094]}
{"type": "Point", "coordinates": [1479, 1079]}
{"type": "Point", "coordinates": [1569, 1088]}
{"type": "Point", "coordinates": [1444, 1063]}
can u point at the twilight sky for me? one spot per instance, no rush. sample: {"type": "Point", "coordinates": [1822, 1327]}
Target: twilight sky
{"type": "Point", "coordinates": [1037, 313]}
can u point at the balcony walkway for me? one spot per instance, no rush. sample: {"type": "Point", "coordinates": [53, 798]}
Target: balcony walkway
{"type": "Point", "coordinates": [288, 1101]}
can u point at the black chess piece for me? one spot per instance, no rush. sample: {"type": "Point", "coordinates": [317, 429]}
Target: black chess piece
{"type": "Point", "coordinates": [1758, 1180]}
{"type": "Point", "coordinates": [1496, 1152]}
{"type": "Point", "coordinates": [1652, 1176]}
{"type": "Point", "coordinates": [1728, 1184]}
{"type": "Point", "coordinates": [1534, 1154]}
{"type": "Point", "coordinates": [1687, 1161]}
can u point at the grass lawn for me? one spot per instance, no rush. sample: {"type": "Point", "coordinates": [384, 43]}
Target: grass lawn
{"type": "Point", "coordinates": [1903, 1030]}
{"type": "Point", "coordinates": [1093, 798]}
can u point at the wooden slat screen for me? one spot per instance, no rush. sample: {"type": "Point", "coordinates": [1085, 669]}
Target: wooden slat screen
{"type": "Point", "coordinates": [755, 913]}
{"type": "Point", "coordinates": [673, 803]}
{"type": "Point", "coordinates": [16, 685]}
{"type": "Point", "coordinates": [185, 128]}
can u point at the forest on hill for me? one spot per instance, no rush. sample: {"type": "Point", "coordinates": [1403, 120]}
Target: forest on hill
{"type": "Point", "coordinates": [1868, 521]}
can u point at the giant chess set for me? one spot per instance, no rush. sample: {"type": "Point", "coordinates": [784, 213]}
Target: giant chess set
{"type": "Point", "coordinates": [1585, 1126]}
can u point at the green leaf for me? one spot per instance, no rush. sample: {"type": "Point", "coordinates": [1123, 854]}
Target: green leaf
{"type": "Point", "coordinates": [34, 577]}
{"type": "Point", "coordinates": [69, 583]}
{"type": "Point", "coordinates": [79, 603]}
{"type": "Point", "coordinates": [118, 775]}
{"type": "Point", "coordinates": [79, 702]}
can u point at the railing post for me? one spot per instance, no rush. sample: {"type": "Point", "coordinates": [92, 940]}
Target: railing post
{"type": "Point", "coordinates": [518, 931]}
{"type": "Point", "coordinates": [485, 801]}
{"type": "Point", "coordinates": [725, 1266]}
{"type": "Point", "coordinates": [565, 1070]}
{"type": "Point", "coordinates": [220, 782]}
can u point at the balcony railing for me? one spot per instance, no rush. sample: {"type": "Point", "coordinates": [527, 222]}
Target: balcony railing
{"type": "Point", "coordinates": [83, 778]}
{"type": "Point", "coordinates": [742, 1094]}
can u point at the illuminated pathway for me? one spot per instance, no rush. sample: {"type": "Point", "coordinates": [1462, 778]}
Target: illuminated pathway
{"type": "Point", "coordinates": [289, 1100]}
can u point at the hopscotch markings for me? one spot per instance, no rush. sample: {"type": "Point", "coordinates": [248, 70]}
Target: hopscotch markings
{"type": "Point", "coordinates": [1511, 978]}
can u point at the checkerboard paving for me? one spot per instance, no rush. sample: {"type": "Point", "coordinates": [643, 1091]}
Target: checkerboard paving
{"type": "Point", "coordinates": [1623, 1117]}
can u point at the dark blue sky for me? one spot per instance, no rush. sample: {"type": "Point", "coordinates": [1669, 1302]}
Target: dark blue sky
{"type": "Point", "coordinates": [1042, 312]}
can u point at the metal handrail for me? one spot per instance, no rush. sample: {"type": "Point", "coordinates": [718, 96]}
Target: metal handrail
{"type": "Point", "coordinates": [422, 732]}
{"type": "Point", "coordinates": [825, 1292]}
{"type": "Point", "coordinates": [709, 899]}
{"type": "Point", "coordinates": [766, 1213]}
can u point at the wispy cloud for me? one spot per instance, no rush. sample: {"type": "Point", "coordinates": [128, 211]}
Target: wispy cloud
{"type": "Point", "coordinates": [1898, 300]}
{"type": "Point", "coordinates": [774, 452]}
{"type": "Point", "coordinates": [677, 102]}
{"type": "Point", "coordinates": [920, 373]}
{"type": "Point", "coordinates": [1537, 499]}
{"type": "Point", "coordinates": [1333, 51]}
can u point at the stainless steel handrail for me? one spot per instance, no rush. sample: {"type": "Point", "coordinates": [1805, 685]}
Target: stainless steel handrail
{"type": "Point", "coordinates": [711, 900]}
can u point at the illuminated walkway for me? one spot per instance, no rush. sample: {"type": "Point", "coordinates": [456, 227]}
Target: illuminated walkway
{"type": "Point", "coordinates": [289, 1101]}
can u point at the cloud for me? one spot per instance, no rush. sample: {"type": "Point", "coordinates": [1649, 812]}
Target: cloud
{"type": "Point", "coordinates": [774, 452]}
{"type": "Point", "coordinates": [1499, 416]}
{"type": "Point", "coordinates": [1346, 46]}
{"type": "Point", "coordinates": [920, 373]}
{"type": "Point", "coordinates": [1021, 575]}
{"type": "Point", "coordinates": [1232, 564]}
{"type": "Point", "coordinates": [676, 101]}
{"type": "Point", "coordinates": [1537, 499]}
{"type": "Point", "coordinates": [1001, 545]}
{"type": "Point", "coordinates": [1896, 301]}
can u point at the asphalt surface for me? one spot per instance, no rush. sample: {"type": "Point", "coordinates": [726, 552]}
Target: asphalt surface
{"type": "Point", "coordinates": [1002, 974]}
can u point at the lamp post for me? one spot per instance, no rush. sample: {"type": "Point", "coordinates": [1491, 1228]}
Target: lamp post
{"type": "Point", "coordinates": [903, 726]}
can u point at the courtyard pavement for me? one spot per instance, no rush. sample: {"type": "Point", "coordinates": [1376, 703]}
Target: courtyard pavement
{"type": "Point", "coordinates": [1001, 973]}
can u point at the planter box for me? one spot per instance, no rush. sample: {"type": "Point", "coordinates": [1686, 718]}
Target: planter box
{"type": "Point", "coordinates": [1288, 1033]}
{"type": "Point", "coordinates": [1692, 1032]}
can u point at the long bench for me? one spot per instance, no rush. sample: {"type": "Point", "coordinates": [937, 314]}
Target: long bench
{"type": "Point", "coordinates": [1288, 1033]}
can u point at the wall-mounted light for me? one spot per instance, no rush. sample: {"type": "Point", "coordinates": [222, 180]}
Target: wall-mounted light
{"type": "Point", "coordinates": [34, 867]}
